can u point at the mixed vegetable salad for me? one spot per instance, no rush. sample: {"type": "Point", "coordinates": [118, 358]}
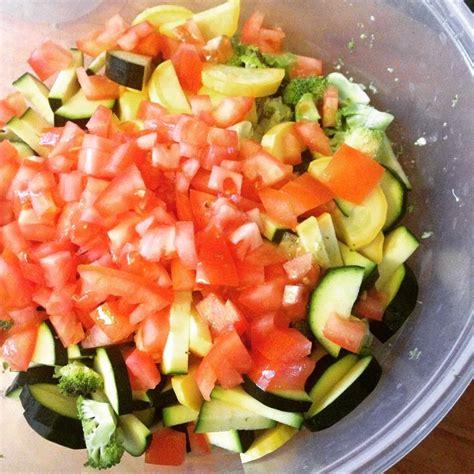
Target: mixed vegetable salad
{"type": "Point", "coordinates": [199, 235]}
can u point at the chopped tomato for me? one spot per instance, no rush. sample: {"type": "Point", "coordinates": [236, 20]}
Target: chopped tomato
{"type": "Point", "coordinates": [307, 193]}
{"type": "Point", "coordinates": [330, 105]}
{"type": "Point", "coordinates": [270, 40]}
{"type": "Point", "coordinates": [97, 87]}
{"type": "Point", "coordinates": [188, 66]}
{"type": "Point", "coordinates": [278, 206]}
{"type": "Point", "coordinates": [265, 169]}
{"type": "Point", "coordinates": [13, 105]}
{"type": "Point", "coordinates": [167, 448]}
{"type": "Point", "coordinates": [371, 305]}
{"type": "Point", "coordinates": [48, 59]}
{"type": "Point", "coordinates": [100, 122]}
{"type": "Point", "coordinates": [185, 245]}
{"type": "Point", "coordinates": [68, 327]}
{"type": "Point", "coordinates": [18, 348]}
{"type": "Point", "coordinates": [58, 268]}
{"type": "Point", "coordinates": [143, 369]}
{"type": "Point", "coordinates": [306, 66]}
{"type": "Point", "coordinates": [263, 298]}
{"type": "Point", "coordinates": [152, 334]}
{"type": "Point", "coordinates": [218, 50]}
{"type": "Point", "coordinates": [298, 267]}
{"type": "Point", "coordinates": [225, 181]}
{"type": "Point", "coordinates": [189, 32]}
{"type": "Point", "coordinates": [113, 321]}
{"type": "Point", "coordinates": [231, 110]}
{"type": "Point", "coordinates": [251, 28]}
{"type": "Point", "coordinates": [352, 175]}
{"type": "Point", "coordinates": [350, 334]}
{"type": "Point", "coordinates": [313, 137]}
{"type": "Point", "coordinates": [198, 441]}
{"type": "Point", "coordinates": [130, 39]}
{"type": "Point", "coordinates": [182, 277]}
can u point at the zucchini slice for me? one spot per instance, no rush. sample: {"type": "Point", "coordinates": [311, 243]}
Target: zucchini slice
{"type": "Point", "coordinates": [49, 350]}
{"type": "Point", "coordinates": [79, 109]}
{"type": "Point", "coordinates": [34, 375]}
{"type": "Point", "coordinates": [268, 442]}
{"type": "Point", "coordinates": [176, 351]}
{"type": "Point", "coordinates": [96, 64]}
{"type": "Point", "coordinates": [178, 414]}
{"type": "Point", "coordinates": [312, 241]}
{"type": "Point", "coordinates": [110, 364]}
{"type": "Point", "coordinates": [136, 435]}
{"type": "Point", "coordinates": [23, 149]}
{"type": "Point", "coordinates": [396, 195]}
{"type": "Point", "coordinates": [290, 400]}
{"type": "Point", "coordinates": [216, 415]}
{"type": "Point", "coordinates": [37, 94]}
{"type": "Point", "coordinates": [335, 294]}
{"type": "Point", "coordinates": [398, 247]}
{"type": "Point", "coordinates": [328, 233]}
{"type": "Point", "coordinates": [243, 400]}
{"type": "Point", "coordinates": [402, 289]}
{"type": "Point", "coordinates": [232, 440]}
{"type": "Point", "coordinates": [128, 69]}
{"type": "Point", "coordinates": [353, 257]}
{"type": "Point", "coordinates": [345, 395]}
{"type": "Point", "coordinates": [52, 415]}
{"type": "Point", "coordinates": [162, 397]}
{"type": "Point", "coordinates": [66, 84]}
{"type": "Point", "coordinates": [200, 340]}
{"type": "Point", "coordinates": [271, 230]}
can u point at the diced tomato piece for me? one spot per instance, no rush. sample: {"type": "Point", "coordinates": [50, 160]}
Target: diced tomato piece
{"type": "Point", "coordinates": [13, 105]}
{"type": "Point", "coordinates": [263, 298]}
{"type": "Point", "coordinates": [266, 254]}
{"type": "Point", "coordinates": [71, 186]}
{"type": "Point", "coordinates": [218, 50]}
{"type": "Point", "coordinates": [182, 278]}
{"type": "Point", "coordinates": [189, 32]}
{"type": "Point", "coordinates": [112, 321]}
{"type": "Point", "coordinates": [68, 327]}
{"type": "Point", "coordinates": [307, 193]}
{"type": "Point", "coordinates": [48, 59]}
{"type": "Point", "coordinates": [95, 337]}
{"type": "Point", "coordinates": [18, 290]}
{"type": "Point", "coordinates": [6, 212]}
{"type": "Point", "coordinates": [250, 274]}
{"type": "Point", "coordinates": [201, 107]}
{"type": "Point", "coordinates": [313, 136]}
{"type": "Point", "coordinates": [274, 375]}
{"type": "Point", "coordinates": [167, 448]}
{"type": "Point", "coordinates": [251, 28]}
{"type": "Point", "coordinates": [135, 288]}
{"type": "Point", "coordinates": [298, 267]}
{"type": "Point", "coordinates": [225, 181]}
{"type": "Point", "coordinates": [150, 45]}
{"type": "Point", "coordinates": [100, 122]}
{"type": "Point", "coordinates": [18, 348]}
{"type": "Point", "coordinates": [158, 243]}
{"type": "Point", "coordinates": [246, 238]}
{"type": "Point", "coordinates": [231, 110]}
{"type": "Point", "coordinates": [278, 205]}
{"type": "Point", "coordinates": [347, 333]}
{"type": "Point", "coordinates": [26, 317]}
{"type": "Point", "coordinates": [123, 193]}
{"type": "Point", "coordinates": [201, 205]}
{"type": "Point", "coordinates": [12, 239]}
{"type": "Point", "coordinates": [185, 245]}
{"type": "Point", "coordinates": [352, 175]}
{"type": "Point", "coordinates": [97, 87]}
{"type": "Point", "coordinates": [130, 39]}
{"type": "Point", "coordinates": [58, 268]}
{"type": "Point", "coordinates": [295, 302]}
{"type": "Point", "coordinates": [212, 309]}
{"type": "Point", "coordinates": [371, 305]}
{"type": "Point", "coordinates": [284, 344]}
{"type": "Point", "coordinates": [206, 378]}
{"type": "Point", "coordinates": [270, 40]}
{"type": "Point", "coordinates": [144, 370]}
{"type": "Point", "coordinates": [152, 334]}
{"type": "Point", "coordinates": [306, 66]}
{"type": "Point", "coordinates": [191, 131]}
{"type": "Point", "coordinates": [265, 169]}
{"type": "Point", "coordinates": [71, 137]}
{"type": "Point", "coordinates": [216, 265]}
{"type": "Point", "coordinates": [188, 66]}
{"type": "Point", "coordinates": [330, 105]}
{"type": "Point", "coordinates": [198, 441]}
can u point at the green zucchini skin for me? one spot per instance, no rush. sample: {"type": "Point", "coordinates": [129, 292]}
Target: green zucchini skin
{"type": "Point", "coordinates": [272, 400]}
{"type": "Point", "coordinates": [348, 400]}
{"type": "Point", "coordinates": [399, 309]}
{"type": "Point", "coordinates": [50, 425]}
{"type": "Point", "coordinates": [38, 374]}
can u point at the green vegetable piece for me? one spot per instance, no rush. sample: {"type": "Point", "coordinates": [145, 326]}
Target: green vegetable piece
{"type": "Point", "coordinates": [5, 324]}
{"type": "Point", "coordinates": [361, 115]}
{"type": "Point", "coordinates": [306, 109]}
{"type": "Point", "coordinates": [365, 140]}
{"type": "Point", "coordinates": [103, 439]}
{"type": "Point", "coordinates": [284, 61]}
{"type": "Point", "coordinates": [296, 88]}
{"type": "Point", "coordinates": [77, 379]}
{"type": "Point", "coordinates": [246, 55]}
{"type": "Point", "coordinates": [270, 112]}
{"type": "Point", "coordinates": [349, 92]}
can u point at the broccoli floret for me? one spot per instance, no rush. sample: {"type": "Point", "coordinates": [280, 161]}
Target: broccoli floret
{"type": "Point", "coordinates": [366, 140]}
{"type": "Point", "coordinates": [296, 88]}
{"type": "Point", "coordinates": [284, 61]}
{"type": "Point", "coordinates": [103, 439]}
{"type": "Point", "coordinates": [270, 111]}
{"type": "Point", "coordinates": [246, 55]}
{"type": "Point", "coordinates": [6, 324]}
{"type": "Point", "coordinates": [77, 379]}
